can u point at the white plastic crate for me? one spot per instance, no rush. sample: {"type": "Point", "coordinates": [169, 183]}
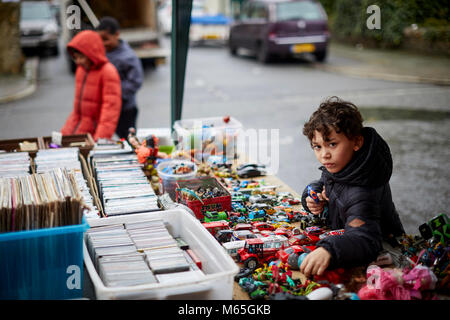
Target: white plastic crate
{"type": "Point", "coordinates": [190, 133]}
{"type": "Point", "coordinates": [217, 265]}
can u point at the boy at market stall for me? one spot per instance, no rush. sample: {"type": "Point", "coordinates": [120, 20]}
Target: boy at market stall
{"type": "Point", "coordinates": [130, 71]}
{"type": "Point", "coordinates": [354, 185]}
{"type": "Point", "coordinates": [97, 100]}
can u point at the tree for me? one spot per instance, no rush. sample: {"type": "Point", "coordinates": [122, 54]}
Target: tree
{"type": "Point", "coordinates": [11, 58]}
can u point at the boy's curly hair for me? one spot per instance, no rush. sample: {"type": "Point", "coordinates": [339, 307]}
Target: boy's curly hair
{"type": "Point", "coordinates": [337, 114]}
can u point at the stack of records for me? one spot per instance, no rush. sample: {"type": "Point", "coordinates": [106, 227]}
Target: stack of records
{"type": "Point", "coordinates": [105, 146]}
{"type": "Point", "coordinates": [36, 201]}
{"type": "Point", "coordinates": [122, 185]}
{"type": "Point", "coordinates": [139, 253]}
{"type": "Point", "coordinates": [67, 158]}
{"type": "Point", "coordinates": [14, 164]}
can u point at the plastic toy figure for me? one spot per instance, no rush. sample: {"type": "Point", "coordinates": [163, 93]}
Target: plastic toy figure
{"type": "Point", "coordinates": [147, 153]}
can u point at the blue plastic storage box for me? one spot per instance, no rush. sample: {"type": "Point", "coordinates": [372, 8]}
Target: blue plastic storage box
{"type": "Point", "coordinates": [42, 264]}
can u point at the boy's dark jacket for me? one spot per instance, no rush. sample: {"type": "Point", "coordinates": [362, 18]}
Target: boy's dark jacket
{"type": "Point", "coordinates": [360, 190]}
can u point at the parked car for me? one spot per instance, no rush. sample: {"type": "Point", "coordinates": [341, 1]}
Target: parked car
{"type": "Point", "coordinates": [281, 28]}
{"type": "Point", "coordinates": [38, 26]}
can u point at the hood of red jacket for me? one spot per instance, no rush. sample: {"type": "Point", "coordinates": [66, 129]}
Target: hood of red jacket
{"type": "Point", "coordinates": [90, 44]}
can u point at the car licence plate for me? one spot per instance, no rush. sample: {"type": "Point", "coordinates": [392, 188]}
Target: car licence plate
{"type": "Point", "coordinates": [210, 36]}
{"type": "Point", "coordinates": [304, 47]}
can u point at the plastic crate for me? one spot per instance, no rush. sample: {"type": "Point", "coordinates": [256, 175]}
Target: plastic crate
{"type": "Point", "coordinates": [217, 265]}
{"type": "Point", "coordinates": [191, 133]}
{"type": "Point", "coordinates": [42, 264]}
{"type": "Point", "coordinates": [214, 204]}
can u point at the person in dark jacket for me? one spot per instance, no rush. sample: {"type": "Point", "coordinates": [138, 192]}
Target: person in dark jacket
{"type": "Point", "coordinates": [130, 71]}
{"type": "Point", "coordinates": [354, 188]}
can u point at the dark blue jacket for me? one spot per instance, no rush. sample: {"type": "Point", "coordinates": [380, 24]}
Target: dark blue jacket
{"type": "Point", "coordinates": [130, 71]}
{"type": "Point", "coordinates": [360, 190]}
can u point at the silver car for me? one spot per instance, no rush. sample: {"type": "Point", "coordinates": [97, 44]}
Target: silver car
{"type": "Point", "coordinates": [38, 26]}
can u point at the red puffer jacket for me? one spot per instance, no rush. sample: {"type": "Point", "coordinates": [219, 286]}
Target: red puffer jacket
{"type": "Point", "coordinates": [98, 98]}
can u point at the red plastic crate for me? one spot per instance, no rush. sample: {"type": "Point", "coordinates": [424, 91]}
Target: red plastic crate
{"type": "Point", "coordinates": [214, 204]}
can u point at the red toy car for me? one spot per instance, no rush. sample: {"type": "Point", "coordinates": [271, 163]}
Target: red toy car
{"type": "Point", "coordinates": [243, 226]}
{"type": "Point", "coordinates": [303, 239]}
{"type": "Point", "coordinates": [315, 231]}
{"type": "Point", "coordinates": [215, 226]}
{"type": "Point", "coordinates": [283, 232]}
{"type": "Point", "coordinates": [263, 226]}
{"type": "Point", "coordinates": [285, 253]}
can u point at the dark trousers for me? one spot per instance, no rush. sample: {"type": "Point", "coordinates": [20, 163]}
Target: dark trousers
{"type": "Point", "coordinates": [127, 120]}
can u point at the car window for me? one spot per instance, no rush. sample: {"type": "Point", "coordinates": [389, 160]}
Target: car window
{"type": "Point", "coordinates": [305, 10]}
{"type": "Point", "coordinates": [259, 11]}
{"type": "Point", "coordinates": [34, 11]}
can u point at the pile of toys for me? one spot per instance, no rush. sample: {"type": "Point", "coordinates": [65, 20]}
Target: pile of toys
{"type": "Point", "coordinates": [269, 234]}
{"type": "Point", "coordinates": [179, 168]}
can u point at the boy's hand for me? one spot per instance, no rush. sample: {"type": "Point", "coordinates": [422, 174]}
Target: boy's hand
{"type": "Point", "coordinates": [317, 208]}
{"type": "Point", "coordinates": [315, 262]}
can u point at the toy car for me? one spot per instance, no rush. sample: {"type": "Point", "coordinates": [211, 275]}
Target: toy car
{"type": "Point", "coordinates": [243, 226]}
{"type": "Point", "coordinates": [210, 216]}
{"type": "Point", "coordinates": [215, 226]}
{"type": "Point", "coordinates": [223, 235]}
{"type": "Point", "coordinates": [233, 247]}
{"type": "Point", "coordinates": [303, 239]}
{"type": "Point", "coordinates": [283, 232]}
{"type": "Point", "coordinates": [257, 214]}
{"type": "Point", "coordinates": [251, 170]}
{"type": "Point", "coordinates": [331, 233]}
{"type": "Point", "coordinates": [242, 235]}
{"type": "Point", "coordinates": [285, 253]}
{"type": "Point", "coordinates": [262, 198]}
{"type": "Point", "coordinates": [316, 231]}
{"type": "Point", "coordinates": [262, 226]}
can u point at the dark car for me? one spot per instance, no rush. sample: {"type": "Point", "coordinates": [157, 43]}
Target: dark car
{"type": "Point", "coordinates": [38, 26]}
{"type": "Point", "coordinates": [281, 28]}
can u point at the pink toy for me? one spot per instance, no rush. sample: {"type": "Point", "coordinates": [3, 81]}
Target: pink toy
{"type": "Point", "coordinates": [395, 284]}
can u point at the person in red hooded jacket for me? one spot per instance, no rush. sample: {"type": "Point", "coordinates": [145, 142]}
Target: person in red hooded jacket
{"type": "Point", "coordinates": [98, 97]}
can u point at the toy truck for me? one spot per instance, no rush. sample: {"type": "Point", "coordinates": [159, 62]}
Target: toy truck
{"type": "Point", "coordinates": [215, 226]}
{"type": "Point", "coordinates": [261, 250]}
{"type": "Point", "coordinates": [210, 216]}
{"type": "Point", "coordinates": [138, 20]}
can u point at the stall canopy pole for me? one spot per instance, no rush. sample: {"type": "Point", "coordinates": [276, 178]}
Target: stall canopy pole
{"type": "Point", "coordinates": [181, 21]}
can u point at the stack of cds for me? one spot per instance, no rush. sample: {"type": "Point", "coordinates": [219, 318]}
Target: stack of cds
{"type": "Point", "coordinates": [138, 253]}
{"type": "Point", "coordinates": [122, 185]}
{"type": "Point", "coordinates": [14, 164]}
{"type": "Point", "coordinates": [67, 158]}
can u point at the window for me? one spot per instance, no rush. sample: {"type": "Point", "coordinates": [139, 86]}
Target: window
{"type": "Point", "coordinates": [35, 11]}
{"type": "Point", "coordinates": [305, 10]}
{"type": "Point", "coordinates": [259, 11]}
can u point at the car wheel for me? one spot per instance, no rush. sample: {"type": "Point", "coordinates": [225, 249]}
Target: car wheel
{"type": "Point", "coordinates": [321, 56]}
{"type": "Point", "coordinates": [251, 263]}
{"type": "Point", "coordinates": [263, 54]}
{"type": "Point", "coordinates": [55, 51]}
{"type": "Point", "coordinates": [233, 48]}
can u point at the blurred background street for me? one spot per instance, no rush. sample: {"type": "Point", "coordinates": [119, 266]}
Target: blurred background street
{"type": "Point", "coordinates": [404, 95]}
